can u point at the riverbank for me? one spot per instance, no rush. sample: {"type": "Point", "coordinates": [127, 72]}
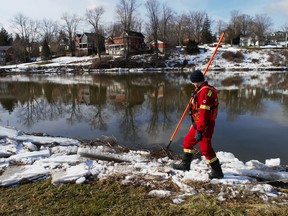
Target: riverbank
{"type": "Point", "coordinates": [225, 59]}
{"type": "Point", "coordinates": [27, 158]}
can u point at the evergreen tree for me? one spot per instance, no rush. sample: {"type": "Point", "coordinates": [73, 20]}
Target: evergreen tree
{"type": "Point", "coordinates": [192, 47]}
{"type": "Point", "coordinates": [5, 38]}
{"type": "Point", "coordinates": [206, 35]}
{"type": "Point", "coordinates": [46, 54]}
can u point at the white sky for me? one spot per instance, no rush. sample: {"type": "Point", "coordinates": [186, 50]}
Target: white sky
{"type": "Point", "coordinates": [217, 10]}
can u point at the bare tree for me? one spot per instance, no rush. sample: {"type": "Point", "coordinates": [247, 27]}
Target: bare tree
{"type": "Point", "coordinates": [262, 24]}
{"type": "Point", "coordinates": [221, 26]}
{"type": "Point", "coordinates": [167, 15]}
{"type": "Point", "coordinates": [27, 29]}
{"type": "Point", "coordinates": [152, 7]}
{"type": "Point", "coordinates": [70, 26]}
{"type": "Point", "coordinates": [285, 27]}
{"type": "Point", "coordinates": [48, 29]}
{"type": "Point", "coordinates": [233, 30]}
{"type": "Point", "coordinates": [125, 11]}
{"type": "Point", "coordinates": [180, 28]}
{"type": "Point", "coordinates": [196, 21]}
{"type": "Point", "coordinates": [240, 25]}
{"type": "Point", "coordinates": [20, 23]}
{"type": "Point", "coordinates": [93, 17]}
{"type": "Point", "coordinates": [245, 23]}
{"type": "Point", "coordinates": [112, 28]}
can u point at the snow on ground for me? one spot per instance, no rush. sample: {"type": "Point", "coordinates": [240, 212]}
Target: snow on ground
{"type": "Point", "coordinates": [26, 157]}
{"type": "Point", "coordinates": [253, 60]}
{"type": "Point", "coordinates": [49, 66]}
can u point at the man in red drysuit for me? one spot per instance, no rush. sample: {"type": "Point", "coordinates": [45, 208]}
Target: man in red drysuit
{"type": "Point", "coordinates": [204, 111]}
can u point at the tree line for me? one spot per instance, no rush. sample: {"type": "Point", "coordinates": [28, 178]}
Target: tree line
{"type": "Point", "coordinates": [162, 23]}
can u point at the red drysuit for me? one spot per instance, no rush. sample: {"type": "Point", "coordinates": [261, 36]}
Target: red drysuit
{"type": "Point", "coordinates": [204, 113]}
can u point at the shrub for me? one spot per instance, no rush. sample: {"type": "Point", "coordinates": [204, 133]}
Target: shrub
{"type": "Point", "coordinates": [285, 54]}
{"type": "Point", "coordinates": [275, 58]}
{"type": "Point", "coordinates": [192, 47]}
{"type": "Point", "coordinates": [237, 57]}
{"type": "Point", "coordinates": [229, 56]}
{"type": "Point", "coordinates": [104, 63]}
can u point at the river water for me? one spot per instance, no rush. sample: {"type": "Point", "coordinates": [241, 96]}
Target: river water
{"type": "Point", "coordinates": [142, 110]}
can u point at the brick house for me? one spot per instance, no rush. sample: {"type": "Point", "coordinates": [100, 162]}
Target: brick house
{"type": "Point", "coordinates": [161, 46]}
{"type": "Point", "coordinates": [130, 41]}
{"type": "Point", "coordinates": [6, 54]}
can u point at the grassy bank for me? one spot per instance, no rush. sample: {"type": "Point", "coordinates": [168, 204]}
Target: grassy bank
{"type": "Point", "coordinates": [107, 198]}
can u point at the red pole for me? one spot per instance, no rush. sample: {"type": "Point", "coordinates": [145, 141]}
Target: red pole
{"type": "Point", "coordinates": [191, 99]}
{"type": "Point", "coordinates": [212, 57]}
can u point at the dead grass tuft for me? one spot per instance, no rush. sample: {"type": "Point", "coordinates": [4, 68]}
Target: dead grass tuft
{"type": "Point", "coordinates": [237, 57]}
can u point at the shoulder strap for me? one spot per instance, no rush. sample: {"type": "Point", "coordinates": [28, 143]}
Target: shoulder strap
{"type": "Point", "coordinates": [214, 90]}
{"type": "Point", "coordinates": [205, 87]}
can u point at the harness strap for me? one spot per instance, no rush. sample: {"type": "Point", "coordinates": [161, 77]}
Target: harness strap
{"type": "Point", "coordinates": [212, 89]}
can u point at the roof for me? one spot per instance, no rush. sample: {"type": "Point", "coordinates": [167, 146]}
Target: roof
{"type": "Point", "coordinates": [158, 41]}
{"type": "Point", "coordinates": [118, 34]}
{"type": "Point", "coordinates": [130, 33]}
{"type": "Point", "coordinates": [88, 34]}
{"type": "Point", "coordinates": [136, 34]}
{"type": "Point", "coordinates": [5, 47]}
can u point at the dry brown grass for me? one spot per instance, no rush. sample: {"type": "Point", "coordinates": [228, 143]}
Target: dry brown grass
{"type": "Point", "coordinates": [109, 197]}
{"type": "Point", "coordinates": [237, 57]}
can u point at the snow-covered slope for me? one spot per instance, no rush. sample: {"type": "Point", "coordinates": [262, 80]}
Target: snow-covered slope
{"type": "Point", "coordinates": [254, 59]}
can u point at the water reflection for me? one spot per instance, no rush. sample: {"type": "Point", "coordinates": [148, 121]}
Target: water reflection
{"type": "Point", "coordinates": [142, 110]}
{"type": "Point", "coordinates": [242, 101]}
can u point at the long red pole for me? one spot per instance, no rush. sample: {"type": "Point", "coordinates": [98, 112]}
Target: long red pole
{"type": "Point", "coordinates": [191, 99]}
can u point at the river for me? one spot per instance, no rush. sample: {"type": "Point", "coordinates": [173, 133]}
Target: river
{"type": "Point", "coordinates": [142, 110]}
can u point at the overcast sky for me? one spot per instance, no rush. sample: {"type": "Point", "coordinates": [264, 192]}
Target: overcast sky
{"type": "Point", "coordinates": [217, 10]}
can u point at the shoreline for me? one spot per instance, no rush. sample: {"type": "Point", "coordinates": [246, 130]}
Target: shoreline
{"type": "Point", "coordinates": [119, 70]}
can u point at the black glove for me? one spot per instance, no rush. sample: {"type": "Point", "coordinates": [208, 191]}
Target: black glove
{"type": "Point", "coordinates": [198, 136]}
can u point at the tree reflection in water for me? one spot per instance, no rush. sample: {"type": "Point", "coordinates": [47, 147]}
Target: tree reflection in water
{"type": "Point", "coordinates": [136, 108]}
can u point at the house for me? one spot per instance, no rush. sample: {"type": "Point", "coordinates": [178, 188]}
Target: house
{"type": "Point", "coordinates": [125, 42]}
{"type": "Point", "coordinates": [249, 41]}
{"type": "Point", "coordinates": [85, 44]}
{"type": "Point", "coordinates": [161, 45]}
{"type": "Point", "coordinates": [279, 39]}
{"type": "Point", "coordinates": [6, 54]}
{"type": "Point", "coordinates": [275, 39]}
{"type": "Point", "coordinates": [164, 47]}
